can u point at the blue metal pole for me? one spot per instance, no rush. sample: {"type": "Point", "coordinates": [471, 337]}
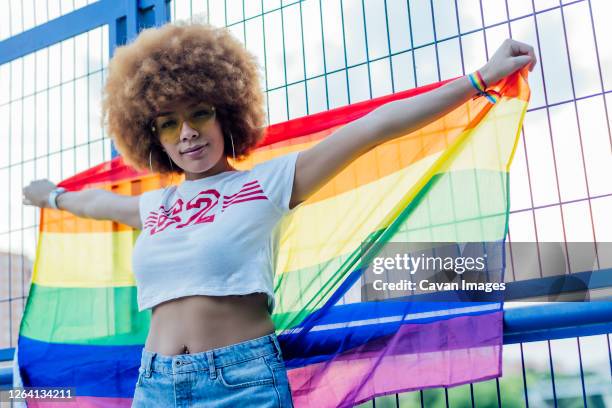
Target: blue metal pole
{"type": "Point", "coordinates": [138, 15]}
{"type": "Point", "coordinates": [59, 29]}
{"type": "Point", "coordinates": [558, 320]}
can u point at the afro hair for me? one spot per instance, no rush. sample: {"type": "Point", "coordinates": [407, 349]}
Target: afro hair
{"type": "Point", "coordinates": [181, 61]}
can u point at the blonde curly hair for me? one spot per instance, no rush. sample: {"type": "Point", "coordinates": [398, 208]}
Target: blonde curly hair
{"type": "Point", "coordinates": [174, 62]}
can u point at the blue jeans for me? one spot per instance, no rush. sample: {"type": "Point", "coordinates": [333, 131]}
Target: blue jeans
{"type": "Point", "coordinates": [247, 374]}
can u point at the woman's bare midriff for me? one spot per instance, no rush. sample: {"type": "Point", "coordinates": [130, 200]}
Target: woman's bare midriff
{"type": "Point", "coordinates": [194, 324]}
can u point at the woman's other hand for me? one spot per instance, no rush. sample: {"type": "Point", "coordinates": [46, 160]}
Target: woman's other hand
{"type": "Point", "coordinates": [37, 193]}
{"type": "Point", "coordinates": [511, 56]}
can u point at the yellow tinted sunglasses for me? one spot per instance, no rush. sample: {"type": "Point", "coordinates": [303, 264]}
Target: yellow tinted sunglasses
{"type": "Point", "coordinates": [167, 127]}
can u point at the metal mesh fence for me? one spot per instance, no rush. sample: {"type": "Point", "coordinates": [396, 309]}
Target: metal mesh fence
{"type": "Point", "coordinates": [49, 105]}
{"type": "Point", "coordinates": [321, 54]}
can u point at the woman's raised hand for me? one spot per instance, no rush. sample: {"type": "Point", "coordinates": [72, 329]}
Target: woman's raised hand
{"type": "Point", "coordinates": [509, 57]}
{"type": "Point", "coordinates": [37, 193]}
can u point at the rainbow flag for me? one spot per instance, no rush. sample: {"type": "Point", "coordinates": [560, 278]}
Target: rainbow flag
{"type": "Point", "coordinates": [445, 182]}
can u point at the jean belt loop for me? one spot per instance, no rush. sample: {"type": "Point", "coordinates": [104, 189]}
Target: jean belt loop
{"type": "Point", "coordinates": [212, 370]}
{"type": "Point", "coordinates": [149, 364]}
{"type": "Point", "coordinates": [276, 345]}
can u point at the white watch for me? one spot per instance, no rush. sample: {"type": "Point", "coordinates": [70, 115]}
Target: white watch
{"type": "Point", "coordinates": [53, 197]}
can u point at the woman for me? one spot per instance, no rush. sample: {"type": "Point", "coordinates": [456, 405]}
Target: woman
{"type": "Point", "coordinates": [184, 99]}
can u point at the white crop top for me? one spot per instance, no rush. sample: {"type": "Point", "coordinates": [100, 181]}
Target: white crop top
{"type": "Point", "coordinates": [214, 236]}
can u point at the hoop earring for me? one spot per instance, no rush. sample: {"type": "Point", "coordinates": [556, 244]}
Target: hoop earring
{"type": "Point", "coordinates": [150, 166]}
{"type": "Point", "coordinates": [171, 167]}
{"type": "Point", "coordinates": [233, 151]}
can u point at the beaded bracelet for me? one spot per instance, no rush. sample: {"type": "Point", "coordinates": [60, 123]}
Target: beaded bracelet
{"type": "Point", "coordinates": [481, 86]}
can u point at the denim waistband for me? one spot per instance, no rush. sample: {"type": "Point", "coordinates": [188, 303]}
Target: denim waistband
{"type": "Point", "coordinates": [211, 359]}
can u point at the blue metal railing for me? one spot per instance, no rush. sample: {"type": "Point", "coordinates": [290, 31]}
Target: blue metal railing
{"type": "Point", "coordinates": [557, 321]}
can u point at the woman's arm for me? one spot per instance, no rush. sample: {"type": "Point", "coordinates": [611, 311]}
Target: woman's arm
{"type": "Point", "coordinates": [90, 203]}
{"type": "Point", "coordinates": [320, 163]}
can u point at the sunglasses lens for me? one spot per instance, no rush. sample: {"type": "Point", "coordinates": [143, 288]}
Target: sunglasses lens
{"type": "Point", "coordinates": [168, 128]}
{"type": "Point", "coordinates": [201, 115]}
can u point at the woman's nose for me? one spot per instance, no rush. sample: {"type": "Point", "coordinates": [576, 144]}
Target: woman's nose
{"type": "Point", "coordinates": [187, 132]}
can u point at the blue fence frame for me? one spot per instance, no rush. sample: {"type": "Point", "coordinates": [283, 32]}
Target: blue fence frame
{"type": "Point", "coordinates": [126, 18]}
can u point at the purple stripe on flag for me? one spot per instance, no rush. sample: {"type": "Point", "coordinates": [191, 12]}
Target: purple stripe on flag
{"type": "Point", "coordinates": [468, 349]}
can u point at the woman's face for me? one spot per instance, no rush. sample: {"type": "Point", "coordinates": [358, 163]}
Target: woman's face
{"type": "Point", "coordinates": [187, 125]}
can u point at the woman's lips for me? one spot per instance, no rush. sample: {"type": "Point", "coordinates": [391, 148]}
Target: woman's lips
{"type": "Point", "coordinates": [195, 153]}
